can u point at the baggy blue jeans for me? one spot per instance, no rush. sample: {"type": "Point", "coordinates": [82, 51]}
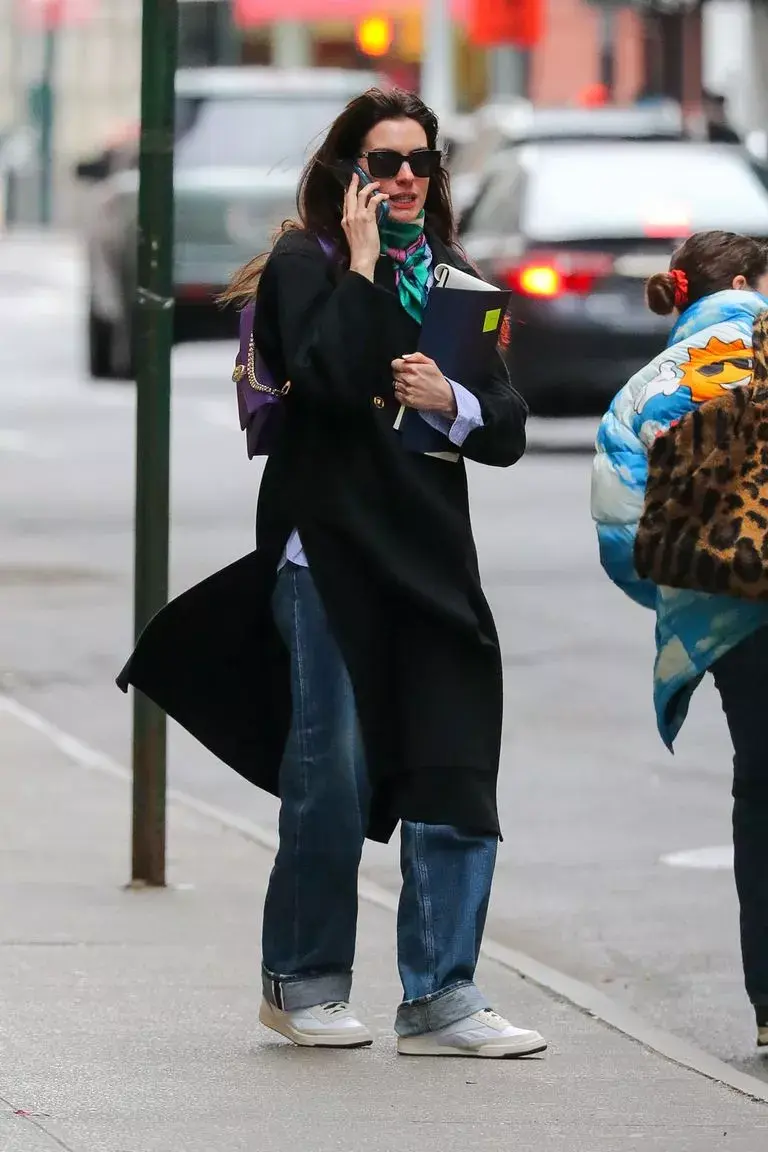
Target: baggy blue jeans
{"type": "Point", "coordinates": [310, 913]}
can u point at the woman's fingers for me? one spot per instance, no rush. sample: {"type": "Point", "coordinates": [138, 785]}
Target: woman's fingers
{"type": "Point", "coordinates": [374, 201]}
{"type": "Point", "coordinates": [367, 191]}
{"type": "Point", "coordinates": [357, 196]}
{"type": "Point", "coordinates": [361, 203]}
{"type": "Point", "coordinates": [369, 198]}
{"type": "Point", "coordinates": [410, 361]}
{"type": "Point", "coordinates": [350, 196]}
{"type": "Point", "coordinates": [407, 375]}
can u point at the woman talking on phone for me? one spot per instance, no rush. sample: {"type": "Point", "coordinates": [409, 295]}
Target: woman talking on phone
{"type": "Point", "coordinates": [351, 664]}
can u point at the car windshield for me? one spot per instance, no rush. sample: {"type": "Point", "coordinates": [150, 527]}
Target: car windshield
{"type": "Point", "coordinates": [617, 190]}
{"type": "Point", "coordinates": [251, 131]}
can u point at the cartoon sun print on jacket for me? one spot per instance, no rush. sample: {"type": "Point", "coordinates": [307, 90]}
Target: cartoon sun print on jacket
{"type": "Point", "coordinates": [706, 372]}
{"type": "Point", "coordinates": [715, 367]}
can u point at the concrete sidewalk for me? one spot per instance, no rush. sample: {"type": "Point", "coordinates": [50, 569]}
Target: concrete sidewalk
{"type": "Point", "coordinates": [128, 1018]}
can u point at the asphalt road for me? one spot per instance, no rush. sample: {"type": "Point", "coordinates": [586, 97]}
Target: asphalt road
{"type": "Point", "coordinates": [595, 811]}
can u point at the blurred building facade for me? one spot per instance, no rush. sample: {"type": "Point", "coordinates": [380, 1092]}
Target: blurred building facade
{"type": "Point", "coordinates": [567, 60]}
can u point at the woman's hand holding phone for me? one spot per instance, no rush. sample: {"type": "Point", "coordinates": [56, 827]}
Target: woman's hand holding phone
{"type": "Point", "coordinates": [360, 226]}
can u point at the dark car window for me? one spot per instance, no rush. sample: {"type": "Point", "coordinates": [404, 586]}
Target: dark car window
{"type": "Point", "coordinates": [251, 132]}
{"type": "Point", "coordinates": [618, 189]}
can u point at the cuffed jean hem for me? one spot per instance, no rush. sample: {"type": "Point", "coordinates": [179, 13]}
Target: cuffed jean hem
{"type": "Point", "coordinates": [290, 993]}
{"type": "Point", "coordinates": [431, 1013]}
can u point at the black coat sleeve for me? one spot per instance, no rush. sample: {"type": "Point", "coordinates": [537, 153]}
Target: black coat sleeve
{"type": "Point", "coordinates": [331, 325]}
{"type": "Point", "coordinates": [501, 440]}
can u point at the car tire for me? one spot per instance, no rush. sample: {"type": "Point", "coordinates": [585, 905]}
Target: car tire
{"type": "Point", "coordinates": [184, 324]}
{"type": "Point", "coordinates": [123, 349]}
{"type": "Point", "coordinates": [123, 355]}
{"type": "Point", "coordinates": [100, 345]}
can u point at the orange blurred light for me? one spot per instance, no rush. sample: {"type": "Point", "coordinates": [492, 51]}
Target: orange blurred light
{"type": "Point", "coordinates": [541, 281]}
{"type": "Point", "coordinates": [594, 96]}
{"type": "Point", "coordinates": [374, 35]}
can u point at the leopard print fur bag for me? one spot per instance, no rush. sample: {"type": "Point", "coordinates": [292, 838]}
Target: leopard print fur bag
{"type": "Point", "coordinates": [705, 520]}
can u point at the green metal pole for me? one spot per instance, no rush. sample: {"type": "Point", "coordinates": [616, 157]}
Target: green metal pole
{"type": "Point", "coordinates": [46, 124]}
{"type": "Point", "coordinates": [154, 340]}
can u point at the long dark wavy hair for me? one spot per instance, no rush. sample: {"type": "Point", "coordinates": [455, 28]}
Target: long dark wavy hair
{"type": "Point", "coordinates": [320, 194]}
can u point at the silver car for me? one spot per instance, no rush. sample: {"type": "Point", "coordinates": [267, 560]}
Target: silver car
{"type": "Point", "coordinates": [243, 135]}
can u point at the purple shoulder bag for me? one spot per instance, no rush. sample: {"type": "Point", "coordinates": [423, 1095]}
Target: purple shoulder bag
{"type": "Point", "coordinates": [259, 395]}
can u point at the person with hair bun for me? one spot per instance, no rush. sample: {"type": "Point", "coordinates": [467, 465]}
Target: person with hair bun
{"type": "Point", "coordinates": [715, 289]}
{"type": "Point", "coordinates": [706, 264]}
{"type": "Point", "coordinates": [667, 291]}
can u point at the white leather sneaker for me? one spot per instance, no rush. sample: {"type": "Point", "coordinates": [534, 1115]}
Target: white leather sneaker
{"type": "Point", "coordinates": [484, 1033]}
{"type": "Point", "coordinates": [332, 1025]}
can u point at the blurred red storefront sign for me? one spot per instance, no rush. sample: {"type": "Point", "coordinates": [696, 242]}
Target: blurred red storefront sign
{"type": "Point", "coordinates": [252, 12]}
{"type": "Point", "coordinates": [497, 22]}
{"type": "Point", "coordinates": [54, 13]}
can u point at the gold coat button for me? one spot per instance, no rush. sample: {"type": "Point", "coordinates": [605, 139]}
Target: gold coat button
{"type": "Point", "coordinates": [378, 402]}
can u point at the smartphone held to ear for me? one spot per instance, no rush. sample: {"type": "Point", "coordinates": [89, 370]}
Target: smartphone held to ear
{"type": "Point", "coordinates": [383, 209]}
{"type": "Point", "coordinates": [344, 170]}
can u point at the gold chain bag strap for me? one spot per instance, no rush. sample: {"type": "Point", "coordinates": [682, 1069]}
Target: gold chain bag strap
{"type": "Point", "coordinates": [705, 520]}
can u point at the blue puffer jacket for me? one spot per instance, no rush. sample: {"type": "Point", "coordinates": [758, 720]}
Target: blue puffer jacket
{"type": "Point", "coordinates": [709, 349]}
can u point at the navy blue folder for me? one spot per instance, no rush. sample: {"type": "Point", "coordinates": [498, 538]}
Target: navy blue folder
{"type": "Point", "coordinates": [460, 332]}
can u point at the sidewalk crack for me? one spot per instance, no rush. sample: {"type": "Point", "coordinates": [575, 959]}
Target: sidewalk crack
{"type": "Point", "coordinates": [20, 1114]}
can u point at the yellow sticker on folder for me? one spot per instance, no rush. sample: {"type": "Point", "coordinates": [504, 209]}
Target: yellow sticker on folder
{"type": "Point", "coordinates": [492, 318]}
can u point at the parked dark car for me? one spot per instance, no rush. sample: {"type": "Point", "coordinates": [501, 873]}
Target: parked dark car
{"type": "Point", "coordinates": [575, 229]}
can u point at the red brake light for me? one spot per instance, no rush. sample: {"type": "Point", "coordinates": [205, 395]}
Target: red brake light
{"type": "Point", "coordinates": [551, 275]}
{"type": "Point", "coordinates": [195, 292]}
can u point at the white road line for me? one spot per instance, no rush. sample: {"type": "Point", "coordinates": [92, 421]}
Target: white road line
{"type": "Point", "coordinates": [717, 859]}
{"type": "Point", "coordinates": [589, 1000]}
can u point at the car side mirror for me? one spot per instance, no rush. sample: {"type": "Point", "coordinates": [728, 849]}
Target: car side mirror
{"type": "Point", "coordinates": [93, 170]}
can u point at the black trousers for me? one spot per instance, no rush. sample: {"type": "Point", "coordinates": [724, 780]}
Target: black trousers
{"type": "Point", "coordinates": [741, 677]}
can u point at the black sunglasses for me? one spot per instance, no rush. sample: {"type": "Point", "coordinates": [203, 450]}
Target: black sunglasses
{"type": "Point", "coordinates": [385, 163]}
{"type": "Point", "coordinates": [718, 366]}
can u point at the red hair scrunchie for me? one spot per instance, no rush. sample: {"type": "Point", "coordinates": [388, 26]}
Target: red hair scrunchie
{"type": "Point", "coordinates": [681, 287]}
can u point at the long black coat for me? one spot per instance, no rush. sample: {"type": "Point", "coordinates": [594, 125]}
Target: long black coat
{"type": "Point", "coordinates": [388, 539]}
